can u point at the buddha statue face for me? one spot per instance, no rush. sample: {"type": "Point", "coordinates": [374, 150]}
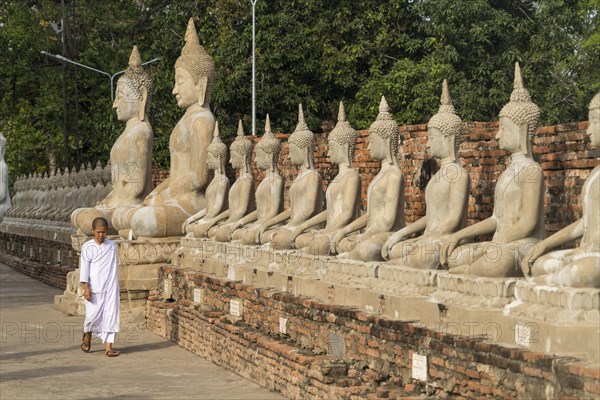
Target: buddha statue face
{"type": "Point", "coordinates": [236, 160]}
{"type": "Point", "coordinates": [126, 105]}
{"type": "Point", "coordinates": [185, 90]}
{"type": "Point", "coordinates": [263, 159]}
{"type": "Point", "coordinates": [437, 143]}
{"type": "Point", "coordinates": [509, 135]}
{"type": "Point", "coordinates": [296, 154]}
{"type": "Point", "coordinates": [593, 129]}
{"type": "Point", "coordinates": [336, 152]}
{"type": "Point", "coordinates": [211, 161]}
{"type": "Point", "coordinates": [376, 147]}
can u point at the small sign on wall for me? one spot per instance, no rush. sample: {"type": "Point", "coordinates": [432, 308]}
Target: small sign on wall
{"type": "Point", "coordinates": [419, 367]}
{"type": "Point", "coordinates": [283, 325]}
{"type": "Point", "coordinates": [197, 295]}
{"type": "Point", "coordinates": [234, 308]}
{"type": "Point", "coordinates": [230, 273]}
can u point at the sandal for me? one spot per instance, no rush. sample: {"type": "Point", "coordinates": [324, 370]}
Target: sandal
{"type": "Point", "coordinates": [112, 353]}
{"type": "Point", "coordinates": [86, 347]}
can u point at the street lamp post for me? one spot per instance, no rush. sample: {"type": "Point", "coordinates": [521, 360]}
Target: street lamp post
{"type": "Point", "coordinates": [253, 67]}
{"type": "Point", "coordinates": [111, 77]}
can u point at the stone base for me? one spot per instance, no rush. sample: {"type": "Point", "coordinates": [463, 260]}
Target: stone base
{"type": "Point", "coordinates": [473, 291]}
{"type": "Point", "coordinates": [559, 305]}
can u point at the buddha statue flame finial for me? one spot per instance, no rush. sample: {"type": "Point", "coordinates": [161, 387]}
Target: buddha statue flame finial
{"type": "Point", "coordinates": [446, 119]}
{"type": "Point", "coordinates": [269, 143]}
{"type": "Point", "coordinates": [302, 136]}
{"type": "Point", "coordinates": [520, 109]}
{"type": "Point", "coordinates": [217, 148]}
{"type": "Point", "coordinates": [385, 127]}
{"type": "Point", "coordinates": [343, 133]}
{"type": "Point", "coordinates": [242, 145]}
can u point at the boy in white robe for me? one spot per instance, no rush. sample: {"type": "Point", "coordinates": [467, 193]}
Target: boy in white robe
{"type": "Point", "coordinates": [99, 276]}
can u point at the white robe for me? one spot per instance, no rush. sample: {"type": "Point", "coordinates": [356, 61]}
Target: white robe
{"type": "Point", "coordinates": [98, 266]}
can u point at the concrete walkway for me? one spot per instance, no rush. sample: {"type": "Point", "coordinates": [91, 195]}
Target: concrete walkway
{"type": "Point", "coordinates": [40, 357]}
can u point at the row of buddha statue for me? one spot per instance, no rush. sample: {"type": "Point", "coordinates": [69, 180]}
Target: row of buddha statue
{"type": "Point", "coordinates": [54, 196]}
{"type": "Point", "coordinates": [198, 199]}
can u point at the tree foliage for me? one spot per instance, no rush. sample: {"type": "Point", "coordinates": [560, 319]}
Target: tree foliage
{"type": "Point", "coordinates": [317, 52]}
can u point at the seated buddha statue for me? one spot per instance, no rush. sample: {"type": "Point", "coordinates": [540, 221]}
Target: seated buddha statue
{"type": "Point", "coordinates": [305, 192]}
{"type": "Point", "coordinates": [241, 194]}
{"type": "Point", "coordinates": [342, 197]}
{"type": "Point", "coordinates": [131, 155]}
{"type": "Point", "coordinates": [217, 190]}
{"type": "Point", "coordinates": [269, 194]}
{"type": "Point", "coordinates": [517, 221]}
{"type": "Point", "coordinates": [578, 267]}
{"type": "Point", "coordinates": [181, 195]}
{"type": "Point", "coordinates": [446, 196]}
{"type": "Point", "coordinates": [385, 196]}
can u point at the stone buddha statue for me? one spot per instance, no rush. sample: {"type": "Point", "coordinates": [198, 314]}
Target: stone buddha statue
{"type": "Point", "coordinates": [385, 196]}
{"type": "Point", "coordinates": [578, 267]}
{"type": "Point", "coordinates": [446, 196]}
{"type": "Point", "coordinates": [5, 203]}
{"type": "Point", "coordinates": [131, 155]}
{"type": "Point", "coordinates": [181, 195]}
{"type": "Point", "coordinates": [216, 192]}
{"type": "Point", "coordinates": [241, 195]}
{"type": "Point", "coordinates": [342, 197]}
{"type": "Point", "coordinates": [306, 191]}
{"type": "Point", "coordinates": [517, 221]}
{"type": "Point", "coordinates": [269, 194]}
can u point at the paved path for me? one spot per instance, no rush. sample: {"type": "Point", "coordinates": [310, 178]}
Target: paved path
{"type": "Point", "coordinates": [40, 357]}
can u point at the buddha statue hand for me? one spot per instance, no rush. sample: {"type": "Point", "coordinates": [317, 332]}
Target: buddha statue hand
{"type": "Point", "coordinates": [335, 241]}
{"type": "Point", "coordinates": [449, 243]}
{"type": "Point", "coordinates": [391, 242]}
{"type": "Point", "coordinates": [533, 254]}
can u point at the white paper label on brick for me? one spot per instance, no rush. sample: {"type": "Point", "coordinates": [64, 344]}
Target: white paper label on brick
{"type": "Point", "coordinates": [419, 367]}
{"type": "Point", "coordinates": [283, 325]}
{"type": "Point", "coordinates": [523, 334]}
{"type": "Point", "coordinates": [197, 295]}
{"type": "Point", "coordinates": [234, 308]}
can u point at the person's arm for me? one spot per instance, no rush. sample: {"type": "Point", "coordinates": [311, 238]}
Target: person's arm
{"type": "Point", "coordinates": [84, 273]}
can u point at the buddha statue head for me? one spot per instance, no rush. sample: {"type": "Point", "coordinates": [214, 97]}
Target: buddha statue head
{"type": "Point", "coordinates": [383, 135]}
{"type": "Point", "coordinates": [267, 149]}
{"type": "Point", "coordinates": [216, 152]}
{"type": "Point", "coordinates": [302, 143]}
{"type": "Point", "coordinates": [518, 119]}
{"type": "Point", "coordinates": [134, 90]}
{"type": "Point", "coordinates": [194, 72]}
{"type": "Point", "coordinates": [444, 128]}
{"type": "Point", "coordinates": [593, 129]}
{"type": "Point", "coordinates": [241, 150]}
{"type": "Point", "coordinates": [342, 140]}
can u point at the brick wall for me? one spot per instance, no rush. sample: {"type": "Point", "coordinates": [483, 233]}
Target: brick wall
{"type": "Point", "coordinates": [371, 358]}
{"type": "Point", "coordinates": [48, 261]}
{"type": "Point", "coordinates": [562, 150]}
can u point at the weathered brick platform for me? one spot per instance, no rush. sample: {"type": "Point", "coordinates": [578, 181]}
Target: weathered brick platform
{"type": "Point", "coordinates": [305, 348]}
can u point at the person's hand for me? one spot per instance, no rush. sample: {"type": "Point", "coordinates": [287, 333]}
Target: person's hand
{"type": "Point", "coordinates": [533, 254]}
{"type": "Point", "coordinates": [87, 293]}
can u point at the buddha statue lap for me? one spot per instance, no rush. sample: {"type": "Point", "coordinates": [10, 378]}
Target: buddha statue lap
{"type": "Point", "coordinates": [131, 155]}
{"type": "Point", "coordinates": [578, 267]}
{"type": "Point", "coordinates": [305, 192]}
{"type": "Point", "coordinates": [269, 194]}
{"type": "Point", "coordinates": [385, 196]}
{"type": "Point", "coordinates": [446, 196]}
{"type": "Point", "coordinates": [517, 221]}
{"type": "Point", "coordinates": [166, 208]}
